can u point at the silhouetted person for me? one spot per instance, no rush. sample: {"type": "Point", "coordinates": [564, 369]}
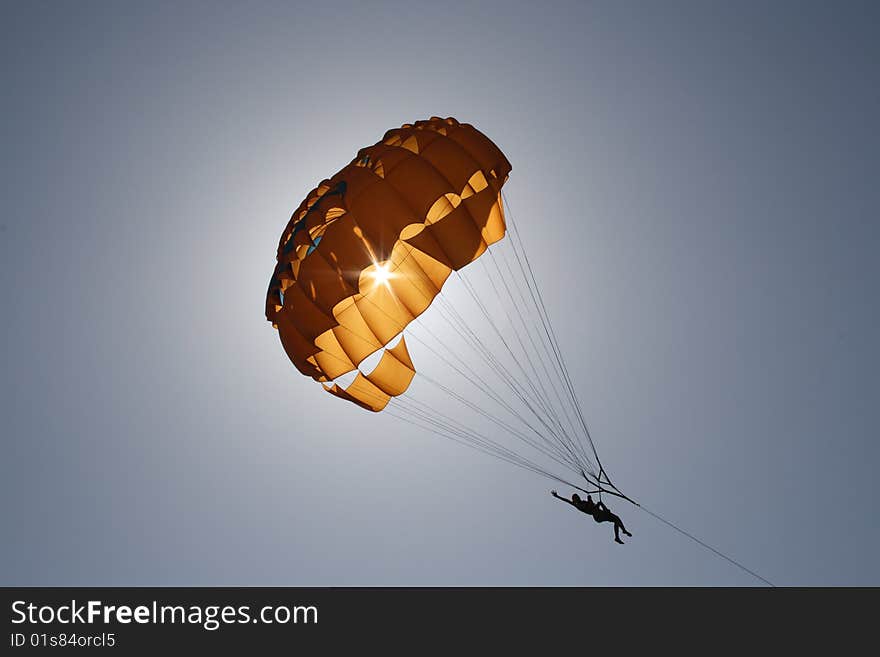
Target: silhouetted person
{"type": "Point", "coordinates": [600, 512]}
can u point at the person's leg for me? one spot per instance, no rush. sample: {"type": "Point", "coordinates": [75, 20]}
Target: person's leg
{"type": "Point", "coordinates": [618, 525]}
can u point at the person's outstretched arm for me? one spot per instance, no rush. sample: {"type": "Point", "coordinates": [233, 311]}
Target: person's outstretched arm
{"type": "Point", "coordinates": [559, 497]}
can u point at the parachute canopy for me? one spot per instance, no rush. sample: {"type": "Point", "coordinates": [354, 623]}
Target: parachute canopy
{"type": "Point", "coordinates": [369, 249]}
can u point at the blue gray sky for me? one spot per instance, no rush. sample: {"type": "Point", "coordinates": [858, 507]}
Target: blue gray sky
{"type": "Point", "coordinates": [698, 185]}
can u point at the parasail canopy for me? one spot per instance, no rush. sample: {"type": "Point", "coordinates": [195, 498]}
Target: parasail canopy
{"type": "Point", "coordinates": [369, 249]}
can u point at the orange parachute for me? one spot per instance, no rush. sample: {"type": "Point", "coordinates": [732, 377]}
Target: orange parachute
{"type": "Point", "coordinates": [370, 248]}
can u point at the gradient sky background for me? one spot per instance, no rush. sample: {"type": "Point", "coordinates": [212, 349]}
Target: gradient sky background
{"type": "Point", "coordinates": [698, 183]}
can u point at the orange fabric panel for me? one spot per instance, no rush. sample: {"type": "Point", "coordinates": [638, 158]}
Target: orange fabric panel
{"type": "Point", "coordinates": [363, 393]}
{"type": "Point", "coordinates": [394, 372]}
{"type": "Point", "coordinates": [452, 159]}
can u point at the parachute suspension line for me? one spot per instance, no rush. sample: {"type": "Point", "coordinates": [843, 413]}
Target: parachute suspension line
{"type": "Point", "coordinates": [521, 255]}
{"type": "Point", "coordinates": [528, 377]}
{"type": "Point", "coordinates": [490, 359]}
{"type": "Point", "coordinates": [486, 389]}
{"type": "Point", "coordinates": [707, 546]}
{"type": "Point", "coordinates": [455, 437]}
{"type": "Point", "coordinates": [462, 436]}
{"type": "Point", "coordinates": [540, 338]}
{"type": "Point", "coordinates": [484, 311]}
{"type": "Point", "coordinates": [496, 445]}
{"type": "Point", "coordinates": [478, 441]}
{"type": "Point", "coordinates": [474, 341]}
{"type": "Point", "coordinates": [451, 425]}
{"type": "Point", "coordinates": [484, 354]}
{"type": "Point", "coordinates": [576, 443]}
{"type": "Point", "coordinates": [528, 333]}
{"type": "Point", "coordinates": [525, 265]}
{"type": "Point", "coordinates": [551, 453]}
{"type": "Point", "coordinates": [571, 461]}
{"type": "Point", "coordinates": [470, 437]}
{"type": "Point", "coordinates": [584, 460]}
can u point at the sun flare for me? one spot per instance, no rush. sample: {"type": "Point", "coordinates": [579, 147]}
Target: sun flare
{"type": "Point", "coordinates": [382, 274]}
